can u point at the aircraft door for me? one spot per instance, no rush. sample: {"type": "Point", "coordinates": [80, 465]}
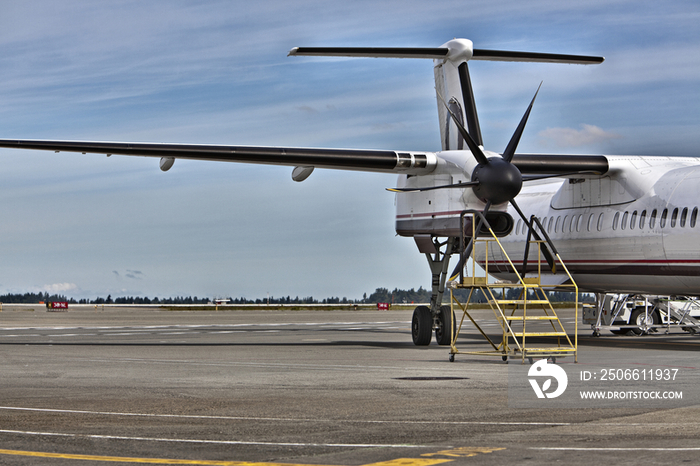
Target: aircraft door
{"type": "Point", "coordinates": [680, 228]}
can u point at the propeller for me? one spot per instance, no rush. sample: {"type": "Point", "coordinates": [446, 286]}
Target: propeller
{"type": "Point", "coordinates": [495, 180]}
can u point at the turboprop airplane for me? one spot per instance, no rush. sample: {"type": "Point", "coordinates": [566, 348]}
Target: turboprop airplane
{"type": "Point", "coordinates": [623, 224]}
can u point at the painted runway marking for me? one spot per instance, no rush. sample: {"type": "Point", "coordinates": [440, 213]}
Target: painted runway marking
{"type": "Point", "coordinates": [329, 367]}
{"type": "Point", "coordinates": [210, 442]}
{"type": "Point", "coordinates": [278, 419]}
{"type": "Point", "coordinates": [199, 326]}
{"type": "Point", "coordinates": [625, 449]}
{"type": "Point", "coordinates": [348, 421]}
{"type": "Point", "coordinates": [124, 459]}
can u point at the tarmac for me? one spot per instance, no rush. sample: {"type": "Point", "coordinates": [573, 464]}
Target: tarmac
{"type": "Point", "coordinates": [134, 385]}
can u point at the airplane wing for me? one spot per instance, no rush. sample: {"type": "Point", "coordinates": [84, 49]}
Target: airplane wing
{"type": "Point", "coordinates": [384, 161]}
{"type": "Point", "coordinates": [412, 163]}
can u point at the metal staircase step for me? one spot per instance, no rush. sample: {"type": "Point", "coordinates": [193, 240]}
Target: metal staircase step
{"type": "Point", "coordinates": [522, 301]}
{"type": "Point", "coordinates": [550, 350]}
{"type": "Point", "coordinates": [539, 334]}
{"type": "Point", "coordinates": [520, 318]}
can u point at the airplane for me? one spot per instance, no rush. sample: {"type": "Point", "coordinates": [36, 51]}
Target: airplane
{"type": "Point", "coordinates": [624, 224]}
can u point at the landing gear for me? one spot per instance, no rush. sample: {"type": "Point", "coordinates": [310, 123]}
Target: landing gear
{"type": "Point", "coordinates": [422, 326]}
{"type": "Point", "coordinates": [437, 317]}
{"type": "Point", "coordinates": [446, 324]}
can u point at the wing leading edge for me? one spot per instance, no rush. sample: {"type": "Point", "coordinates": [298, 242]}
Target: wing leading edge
{"type": "Point", "coordinates": [413, 163]}
{"type": "Point", "coordinates": [384, 161]}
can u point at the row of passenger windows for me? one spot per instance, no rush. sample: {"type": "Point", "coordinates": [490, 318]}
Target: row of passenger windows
{"type": "Point", "coordinates": [675, 219]}
{"type": "Point", "coordinates": [589, 222]}
{"type": "Point", "coordinates": [569, 223]}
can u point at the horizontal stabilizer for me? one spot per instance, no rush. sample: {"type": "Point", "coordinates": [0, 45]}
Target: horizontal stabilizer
{"type": "Point", "coordinates": [504, 55]}
{"type": "Point", "coordinates": [371, 52]}
{"type": "Point", "coordinates": [454, 49]}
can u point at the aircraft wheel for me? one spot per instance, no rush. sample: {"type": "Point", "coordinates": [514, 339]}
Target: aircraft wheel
{"type": "Point", "coordinates": [443, 334]}
{"type": "Point", "coordinates": [422, 326]}
{"type": "Point", "coordinates": [642, 321]}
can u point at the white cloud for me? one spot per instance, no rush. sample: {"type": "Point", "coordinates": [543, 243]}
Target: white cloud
{"type": "Point", "coordinates": [569, 137]}
{"type": "Point", "coordinates": [60, 287]}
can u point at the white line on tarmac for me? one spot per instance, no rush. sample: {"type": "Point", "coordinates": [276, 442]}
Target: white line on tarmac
{"type": "Point", "coordinates": [217, 442]}
{"type": "Point", "coordinates": [325, 367]}
{"type": "Point", "coordinates": [617, 448]}
{"type": "Point", "coordinates": [277, 419]}
{"type": "Point", "coordinates": [274, 324]}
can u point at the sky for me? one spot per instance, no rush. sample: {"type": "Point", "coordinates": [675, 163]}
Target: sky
{"type": "Point", "coordinates": [218, 72]}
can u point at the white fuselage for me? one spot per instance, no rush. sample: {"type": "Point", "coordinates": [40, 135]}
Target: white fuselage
{"type": "Point", "coordinates": [634, 230]}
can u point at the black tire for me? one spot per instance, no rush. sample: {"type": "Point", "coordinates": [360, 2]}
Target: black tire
{"type": "Point", "coordinates": [443, 333]}
{"type": "Point", "coordinates": [638, 320]}
{"type": "Point", "coordinates": [422, 326]}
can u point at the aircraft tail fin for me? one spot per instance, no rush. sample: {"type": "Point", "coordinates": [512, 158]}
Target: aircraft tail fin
{"type": "Point", "coordinates": [452, 78]}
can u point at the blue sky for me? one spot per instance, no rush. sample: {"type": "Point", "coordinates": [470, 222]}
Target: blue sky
{"type": "Point", "coordinates": [217, 72]}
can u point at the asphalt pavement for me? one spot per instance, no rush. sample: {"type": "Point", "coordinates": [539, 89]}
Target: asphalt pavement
{"type": "Point", "coordinates": [130, 385]}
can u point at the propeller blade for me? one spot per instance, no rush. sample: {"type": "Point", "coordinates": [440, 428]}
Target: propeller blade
{"type": "Point", "coordinates": [430, 188]}
{"type": "Point", "coordinates": [543, 247]}
{"type": "Point", "coordinates": [468, 250]}
{"type": "Point", "coordinates": [473, 146]}
{"type": "Point", "coordinates": [515, 139]}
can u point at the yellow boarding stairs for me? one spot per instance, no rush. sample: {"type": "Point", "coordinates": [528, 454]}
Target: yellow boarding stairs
{"type": "Point", "coordinates": [521, 307]}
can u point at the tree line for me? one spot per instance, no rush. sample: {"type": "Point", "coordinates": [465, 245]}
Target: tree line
{"type": "Point", "coordinates": [380, 295]}
{"type": "Point", "coordinates": [36, 298]}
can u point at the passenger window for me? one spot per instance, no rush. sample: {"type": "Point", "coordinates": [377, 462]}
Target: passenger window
{"type": "Point", "coordinates": [652, 219]}
{"type": "Point", "coordinates": [549, 227]}
{"type": "Point", "coordinates": [578, 222]}
{"type": "Point", "coordinates": [616, 219]}
{"type": "Point", "coordinates": [623, 225]}
{"type": "Point", "coordinates": [556, 226]}
{"type": "Point", "coordinates": [693, 217]}
{"type": "Point", "coordinates": [633, 220]}
{"type": "Point", "coordinates": [563, 224]}
{"type": "Point", "coordinates": [642, 219]}
{"type": "Point", "coordinates": [590, 221]}
{"type": "Point", "coordinates": [517, 227]}
{"type": "Point", "coordinates": [600, 221]}
{"type": "Point", "coordinates": [662, 220]}
{"type": "Point", "coordinates": [674, 216]}
{"type": "Point", "coordinates": [684, 216]}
